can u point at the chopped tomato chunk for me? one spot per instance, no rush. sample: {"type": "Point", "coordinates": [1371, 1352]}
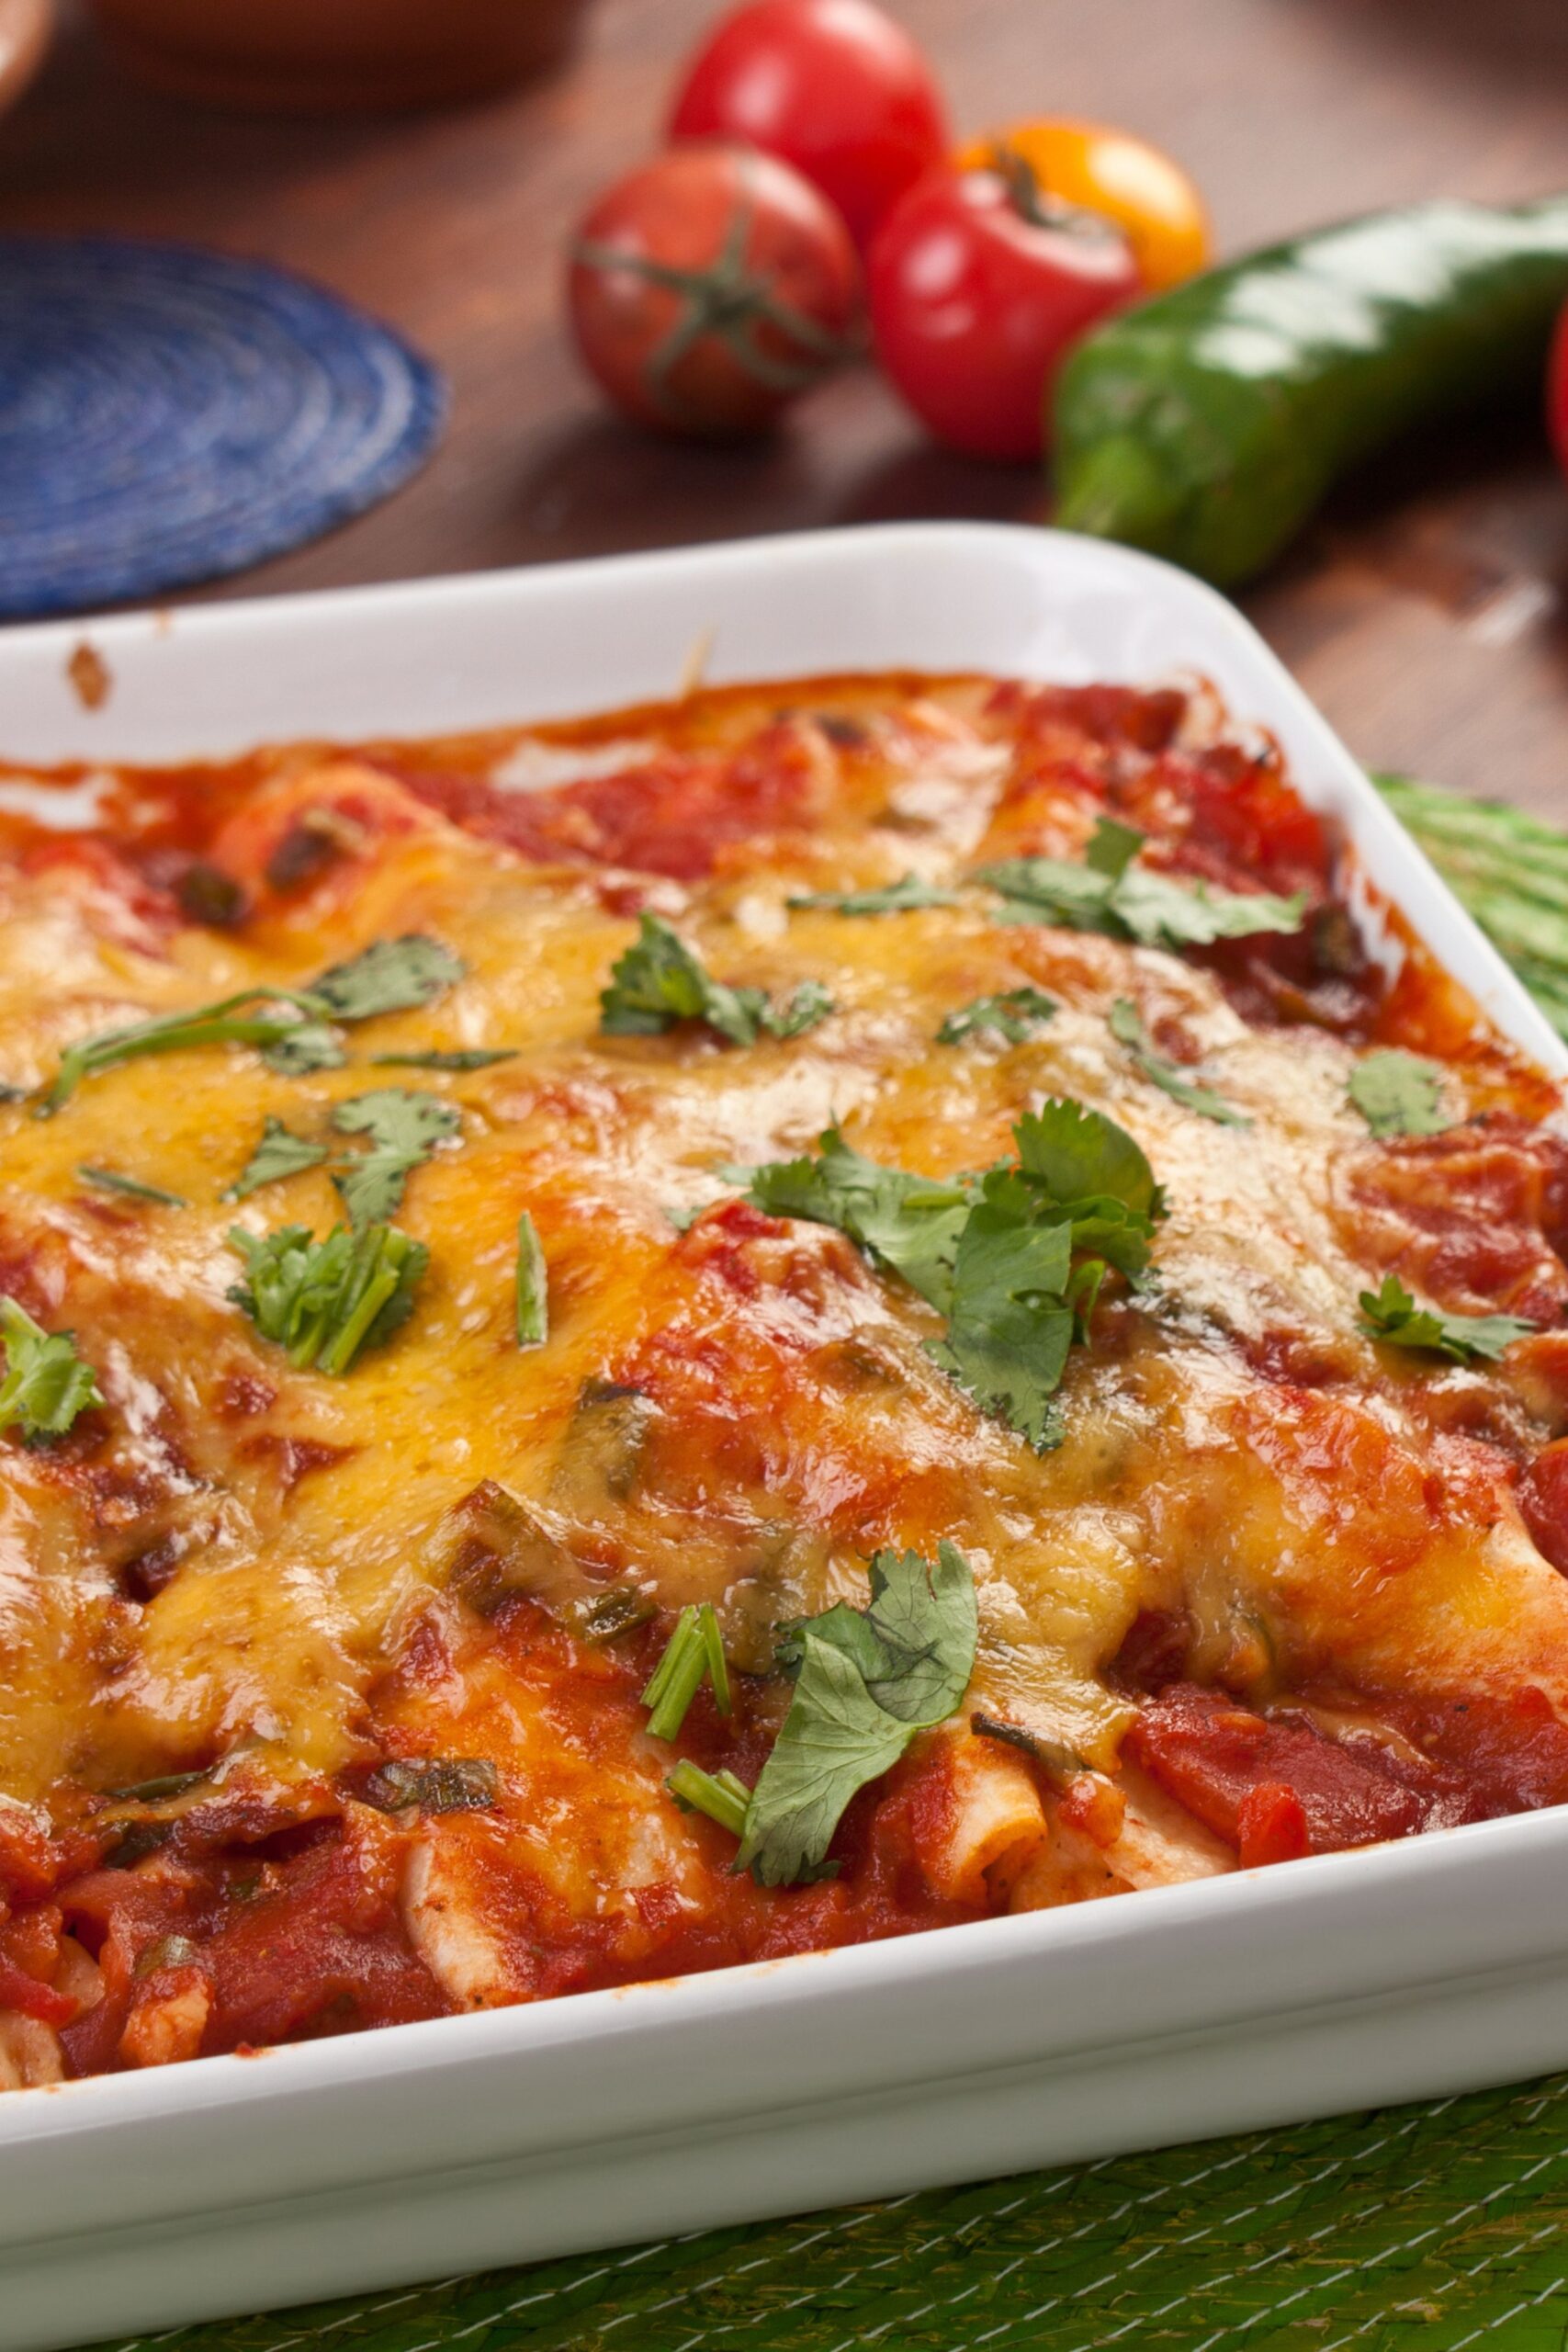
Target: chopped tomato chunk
{"type": "Point", "coordinates": [1509, 1750]}
{"type": "Point", "coordinates": [327, 1953]}
{"type": "Point", "coordinates": [1270, 1826]}
{"type": "Point", "coordinates": [20, 1991]}
{"type": "Point", "coordinates": [1234, 1769]}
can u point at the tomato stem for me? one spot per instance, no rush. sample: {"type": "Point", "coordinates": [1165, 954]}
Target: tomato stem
{"type": "Point", "coordinates": [1034, 202]}
{"type": "Point", "coordinates": [726, 299]}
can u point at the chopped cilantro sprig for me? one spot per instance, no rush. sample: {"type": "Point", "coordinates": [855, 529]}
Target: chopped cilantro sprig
{"type": "Point", "coordinates": [403, 1129]}
{"type": "Point", "coordinates": [1014, 1017]}
{"type": "Point", "coordinates": [326, 1302]}
{"type": "Point", "coordinates": [533, 1286]}
{"type": "Point", "coordinates": [293, 1039]}
{"type": "Point", "coordinates": [907, 1224]}
{"type": "Point", "coordinates": [1110, 892]}
{"type": "Point", "coordinates": [908, 894]}
{"type": "Point", "coordinates": [695, 1649]}
{"type": "Point", "coordinates": [391, 975]}
{"type": "Point", "coordinates": [448, 1058]}
{"type": "Point", "coordinates": [659, 981]}
{"type": "Point", "coordinates": [866, 1681]}
{"type": "Point", "coordinates": [1127, 1027]}
{"type": "Point", "coordinates": [1014, 1259]}
{"type": "Point", "coordinates": [1033, 1255]}
{"type": "Point", "coordinates": [46, 1384]}
{"type": "Point", "coordinates": [131, 1187]}
{"type": "Point", "coordinates": [279, 1153]}
{"type": "Point", "coordinates": [1393, 1315]}
{"type": "Point", "coordinates": [723, 1796]}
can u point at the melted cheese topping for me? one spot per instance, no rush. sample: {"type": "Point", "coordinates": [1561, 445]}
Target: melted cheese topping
{"type": "Point", "coordinates": [237, 1559]}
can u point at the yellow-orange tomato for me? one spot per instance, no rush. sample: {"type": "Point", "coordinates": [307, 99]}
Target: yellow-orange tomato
{"type": "Point", "coordinates": [1113, 173]}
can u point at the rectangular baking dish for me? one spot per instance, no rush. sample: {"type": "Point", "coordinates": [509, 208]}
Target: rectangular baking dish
{"type": "Point", "coordinates": [232, 2183]}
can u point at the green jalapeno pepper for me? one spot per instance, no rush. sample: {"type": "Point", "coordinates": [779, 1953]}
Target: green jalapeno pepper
{"type": "Point", "coordinates": [1207, 424]}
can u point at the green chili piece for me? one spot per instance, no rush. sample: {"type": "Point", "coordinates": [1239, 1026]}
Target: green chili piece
{"type": "Point", "coordinates": [1208, 423]}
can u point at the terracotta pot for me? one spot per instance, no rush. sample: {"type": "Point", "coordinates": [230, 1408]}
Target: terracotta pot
{"type": "Point", "coordinates": [320, 55]}
{"type": "Point", "coordinates": [24, 28]}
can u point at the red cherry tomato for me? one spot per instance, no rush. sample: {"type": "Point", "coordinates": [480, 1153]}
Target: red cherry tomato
{"type": "Point", "coordinates": [834, 86]}
{"type": "Point", "coordinates": [1557, 392]}
{"type": "Point", "coordinates": [978, 284]}
{"type": "Point", "coordinates": [710, 287]}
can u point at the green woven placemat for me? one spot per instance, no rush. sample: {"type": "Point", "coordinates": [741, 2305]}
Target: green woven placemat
{"type": "Point", "coordinates": [1419, 2228]}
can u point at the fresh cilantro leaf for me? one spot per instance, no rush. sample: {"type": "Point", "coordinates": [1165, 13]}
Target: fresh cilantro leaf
{"type": "Point", "coordinates": [1159, 911]}
{"type": "Point", "coordinates": [1014, 1259]}
{"type": "Point", "coordinates": [404, 1129]}
{"type": "Point", "coordinates": [1399, 1093]}
{"type": "Point", "coordinates": [1051, 890]}
{"type": "Point", "coordinates": [1109, 892]}
{"type": "Point", "coordinates": [1113, 846]}
{"type": "Point", "coordinates": [910, 1224]}
{"type": "Point", "coordinates": [1011, 1324]}
{"type": "Point", "coordinates": [915, 1643]}
{"type": "Point", "coordinates": [533, 1286]}
{"type": "Point", "coordinates": [1392, 1314]}
{"type": "Point", "coordinates": [1080, 1155]}
{"type": "Point", "coordinates": [109, 1179]}
{"type": "Point", "coordinates": [865, 1683]}
{"type": "Point", "coordinates": [683, 1219]}
{"type": "Point", "coordinates": [904, 897]}
{"type": "Point", "coordinates": [46, 1384]}
{"type": "Point", "coordinates": [279, 1153]}
{"type": "Point", "coordinates": [660, 980]}
{"type": "Point", "coordinates": [390, 975]}
{"type": "Point", "coordinates": [834, 1740]}
{"type": "Point", "coordinates": [444, 1058]}
{"type": "Point", "coordinates": [809, 1005]}
{"type": "Point", "coordinates": [327, 1301]}
{"type": "Point", "coordinates": [441, 1785]}
{"type": "Point", "coordinates": [1085, 1168]}
{"type": "Point", "coordinates": [847, 1628]}
{"type": "Point", "coordinates": [1127, 1028]}
{"type": "Point", "coordinates": [308, 1046]}
{"type": "Point", "coordinates": [1015, 1017]}
{"type": "Point", "coordinates": [926, 1617]}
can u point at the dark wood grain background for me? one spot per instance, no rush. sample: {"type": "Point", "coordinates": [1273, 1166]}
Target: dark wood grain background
{"type": "Point", "coordinates": [1425, 613]}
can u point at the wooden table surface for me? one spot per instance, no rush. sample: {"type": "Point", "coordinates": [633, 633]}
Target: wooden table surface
{"type": "Point", "coordinates": [1425, 613]}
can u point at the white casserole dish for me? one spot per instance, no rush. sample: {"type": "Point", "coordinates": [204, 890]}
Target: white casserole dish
{"type": "Point", "coordinates": [141, 2201]}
